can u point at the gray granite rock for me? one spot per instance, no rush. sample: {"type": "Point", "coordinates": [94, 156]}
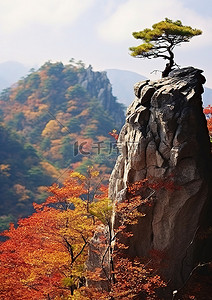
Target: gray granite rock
{"type": "Point", "coordinates": [165, 135]}
{"type": "Point", "coordinates": [102, 90]}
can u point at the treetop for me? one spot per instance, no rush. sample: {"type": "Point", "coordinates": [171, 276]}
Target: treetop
{"type": "Point", "coordinates": [168, 29]}
{"type": "Point", "coordinates": [161, 40]}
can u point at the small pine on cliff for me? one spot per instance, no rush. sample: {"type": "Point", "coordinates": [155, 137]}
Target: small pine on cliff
{"type": "Point", "coordinates": [161, 40]}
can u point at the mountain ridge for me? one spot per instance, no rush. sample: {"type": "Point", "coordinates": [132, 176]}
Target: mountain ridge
{"type": "Point", "coordinates": [59, 100]}
{"type": "Point", "coordinates": [122, 81]}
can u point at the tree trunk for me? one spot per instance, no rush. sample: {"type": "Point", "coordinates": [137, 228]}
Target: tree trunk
{"type": "Point", "coordinates": [169, 65]}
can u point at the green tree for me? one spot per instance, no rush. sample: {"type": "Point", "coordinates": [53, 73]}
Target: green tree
{"type": "Point", "coordinates": [161, 40]}
{"type": "Point", "coordinates": [37, 176]}
{"type": "Point", "coordinates": [74, 125]}
{"type": "Point", "coordinates": [22, 95]}
{"type": "Point", "coordinates": [45, 144]}
{"type": "Point", "coordinates": [67, 151]}
{"type": "Point", "coordinates": [33, 80]}
{"type": "Point", "coordinates": [17, 122]}
{"type": "Point", "coordinates": [77, 92]}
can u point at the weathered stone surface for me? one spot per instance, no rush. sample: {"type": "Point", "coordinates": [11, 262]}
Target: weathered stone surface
{"type": "Point", "coordinates": [102, 90]}
{"type": "Point", "coordinates": [95, 254]}
{"type": "Point", "coordinates": [165, 135]}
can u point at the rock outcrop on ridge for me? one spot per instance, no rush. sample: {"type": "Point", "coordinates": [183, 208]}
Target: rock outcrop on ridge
{"type": "Point", "coordinates": [165, 136]}
{"type": "Point", "coordinates": [102, 90]}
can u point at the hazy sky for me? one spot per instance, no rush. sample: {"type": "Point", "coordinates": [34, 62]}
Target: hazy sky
{"type": "Point", "coordinates": [98, 32]}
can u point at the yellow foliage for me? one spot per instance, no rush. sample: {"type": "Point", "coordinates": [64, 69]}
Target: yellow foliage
{"type": "Point", "coordinates": [94, 173]}
{"type": "Point", "coordinates": [64, 130]}
{"type": "Point", "coordinates": [51, 130]}
{"type": "Point", "coordinates": [102, 209]}
{"type": "Point", "coordinates": [4, 170]}
{"type": "Point", "coordinates": [43, 107]}
{"type": "Point", "coordinates": [77, 175]}
{"type": "Point", "coordinates": [31, 115]}
{"type": "Point", "coordinates": [50, 169]}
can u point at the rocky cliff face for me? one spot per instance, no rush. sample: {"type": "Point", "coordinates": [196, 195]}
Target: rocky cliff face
{"type": "Point", "coordinates": [102, 90]}
{"type": "Point", "coordinates": [165, 136]}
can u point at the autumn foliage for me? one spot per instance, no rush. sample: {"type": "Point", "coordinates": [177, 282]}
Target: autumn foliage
{"type": "Point", "coordinates": [45, 256]}
{"type": "Point", "coordinates": [208, 113]}
{"type": "Point", "coordinates": [114, 134]}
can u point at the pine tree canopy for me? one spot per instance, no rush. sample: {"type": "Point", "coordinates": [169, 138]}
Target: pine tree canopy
{"type": "Point", "coordinates": [161, 40]}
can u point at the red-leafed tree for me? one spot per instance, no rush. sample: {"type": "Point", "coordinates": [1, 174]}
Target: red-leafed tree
{"type": "Point", "coordinates": [119, 276]}
{"type": "Point", "coordinates": [208, 113]}
{"type": "Point", "coordinates": [114, 134]}
{"type": "Point", "coordinates": [45, 256]}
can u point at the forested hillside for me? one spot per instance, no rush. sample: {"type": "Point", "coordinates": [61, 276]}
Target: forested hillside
{"type": "Point", "coordinates": [23, 177]}
{"type": "Point", "coordinates": [62, 114]}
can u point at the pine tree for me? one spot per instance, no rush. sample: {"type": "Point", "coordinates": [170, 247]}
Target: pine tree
{"type": "Point", "coordinates": [161, 40]}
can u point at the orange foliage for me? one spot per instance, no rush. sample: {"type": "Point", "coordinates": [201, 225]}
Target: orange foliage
{"type": "Point", "coordinates": [208, 112]}
{"type": "Point", "coordinates": [51, 130]}
{"type": "Point", "coordinates": [33, 259]}
{"type": "Point", "coordinates": [44, 257]}
{"type": "Point", "coordinates": [4, 170]}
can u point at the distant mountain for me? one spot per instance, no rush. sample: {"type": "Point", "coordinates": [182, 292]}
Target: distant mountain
{"type": "Point", "coordinates": [11, 72]}
{"type": "Point", "coordinates": [123, 81]}
{"type": "Point", "coordinates": [122, 84]}
{"type": "Point", "coordinates": [207, 96]}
